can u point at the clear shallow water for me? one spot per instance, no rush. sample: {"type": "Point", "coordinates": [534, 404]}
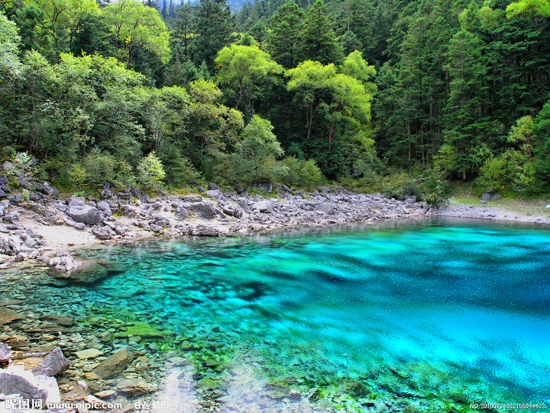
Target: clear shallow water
{"type": "Point", "coordinates": [407, 309]}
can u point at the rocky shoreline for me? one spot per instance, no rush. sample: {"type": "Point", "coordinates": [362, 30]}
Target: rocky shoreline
{"type": "Point", "coordinates": [114, 363]}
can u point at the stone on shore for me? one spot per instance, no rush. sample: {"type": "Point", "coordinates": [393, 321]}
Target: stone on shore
{"type": "Point", "coordinates": [114, 365]}
{"type": "Point", "coordinates": [84, 213]}
{"type": "Point", "coordinates": [5, 353]}
{"type": "Point", "coordinates": [135, 387]}
{"type": "Point", "coordinates": [53, 364]}
{"type": "Point", "coordinates": [15, 380]}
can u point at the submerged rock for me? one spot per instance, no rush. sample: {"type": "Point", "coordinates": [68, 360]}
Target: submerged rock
{"type": "Point", "coordinates": [7, 316]}
{"type": "Point", "coordinates": [135, 387]}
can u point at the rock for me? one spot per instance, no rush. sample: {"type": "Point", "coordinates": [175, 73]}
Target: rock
{"type": "Point", "coordinates": [263, 206]}
{"type": "Point", "coordinates": [233, 211]}
{"type": "Point", "coordinates": [106, 394]}
{"type": "Point", "coordinates": [84, 213]}
{"type": "Point", "coordinates": [324, 207]}
{"type": "Point", "coordinates": [482, 202]}
{"type": "Point", "coordinates": [7, 166]}
{"type": "Point", "coordinates": [490, 196]}
{"type": "Point", "coordinates": [103, 233]}
{"type": "Point", "coordinates": [91, 353]}
{"type": "Point", "coordinates": [106, 194]}
{"type": "Point", "coordinates": [264, 187]}
{"type": "Point", "coordinates": [12, 218]}
{"type": "Point", "coordinates": [2, 193]}
{"type": "Point", "coordinates": [212, 186]}
{"type": "Point", "coordinates": [5, 353]}
{"type": "Point", "coordinates": [7, 316]}
{"type": "Point", "coordinates": [182, 214]}
{"type": "Point", "coordinates": [205, 231]}
{"type": "Point", "coordinates": [80, 226]}
{"type": "Point", "coordinates": [104, 207]}
{"type": "Point", "coordinates": [62, 320]}
{"type": "Point", "coordinates": [114, 365]}
{"type": "Point", "coordinates": [76, 200]}
{"type": "Point", "coordinates": [214, 193]}
{"type": "Point", "coordinates": [135, 387]}
{"type": "Point", "coordinates": [15, 380]}
{"type": "Point", "coordinates": [203, 209]}
{"type": "Point", "coordinates": [18, 341]}
{"type": "Point", "coordinates": [53, 364]}
{"type": "Point", "coordinates": [64, 262]}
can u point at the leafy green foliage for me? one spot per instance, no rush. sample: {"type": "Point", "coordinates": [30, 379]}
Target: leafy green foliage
{"type": "Point", "coordinates": [150, 170]}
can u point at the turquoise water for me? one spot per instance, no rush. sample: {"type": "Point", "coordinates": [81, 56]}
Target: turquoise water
{"type": "Point", "coordinates": [415, 310]}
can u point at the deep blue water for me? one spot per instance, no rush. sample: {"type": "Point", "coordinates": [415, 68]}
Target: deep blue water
{"type": "Point", "coordinates": [440, 303]}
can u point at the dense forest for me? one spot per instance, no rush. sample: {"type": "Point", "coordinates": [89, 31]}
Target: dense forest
{"type": "Point", "coordinates": [398, 96]}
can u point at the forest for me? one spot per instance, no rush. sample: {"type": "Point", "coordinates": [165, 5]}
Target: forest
{"type": "Point", "coordinates": [397, 96]}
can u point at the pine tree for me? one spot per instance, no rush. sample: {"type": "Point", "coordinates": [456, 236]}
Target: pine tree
{"type": "Point", "coordinates": [284, 40]}
{"type": "Point", "coordinates": [214, 28]}
{"type": "Point", "coordinates": [318, 39]}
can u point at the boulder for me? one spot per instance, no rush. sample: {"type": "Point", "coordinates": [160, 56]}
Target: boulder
{"type": "Point", "coordinates": [490, 196]}
{"type": "Point", "coordinates": [182, 214]}
{"type": "Point", "coordinates": [203, 209]}
{"type": "Point", "coordinates": [84, 213]}
{"type": "Point", "coordinates": [64, 262]}
{"type": "Point", "coordinates": [2, 193]}
{"type": "Point", "coordinates": [103, 233]}
{"type": "Point", "coordinates": [205, 231]}
{"type": "Point", "coordinates": [324, 207]}
{"type": "Point", "coordinates": [15, 380]}
{"type": "Point", "coordinates": [212, 186]}
{"type": "Point", "coordinates": [114, 365]}
{"type": "Point", "coordinates": [8, 166]}
{"type": "Point", "coordinates": [214, 193]}
{"type": "Point", "coordinates": [263, 206]}
{"type": "Point", "coordinates": [233, 211]}
{"type": "Point", "coordinates": [53, 364]}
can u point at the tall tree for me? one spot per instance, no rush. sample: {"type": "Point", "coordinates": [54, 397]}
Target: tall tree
{"type": "Point", "coordinates": [283, 42]}
{"type": "Point", "coordinates": [245, 67]}
{"type": "Point", "coordinates": [318, 42]}
{"type": "Point", "coordinates": [137, 26]}
{"type": "Point", "coordinates": [214, 27]}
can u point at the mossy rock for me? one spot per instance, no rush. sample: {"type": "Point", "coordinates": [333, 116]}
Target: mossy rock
{"type": "Point", "coordinates": [142, 330]}
{"type": "Point", "coordinates": [359, 390]}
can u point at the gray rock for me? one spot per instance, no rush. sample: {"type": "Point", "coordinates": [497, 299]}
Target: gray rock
{"type": "Point", "coordinates": [324, 207]}
{"type": "Point", "coordinates": [490, 196]}
{"type": "Point", "coordinates": [233, 210]}
{"type": "Point", "coordinates": [114, 365]}
{"type": "Point", "coordinates": [205, 231]}
{"type": "Point", "coordinates": [203, 209]}
{"type": "Point", "coordinates": [103, 233]}
{"type": "Point", "coordinates": [2, 193]}
{"type": "Point", "coordinates": [7, 166]}
{"type": "Point", "coordinates": [106, 194]}
{"type": "Point", "coordinates": [482, 202]}
{"type": "Point", "coordinates": [15, 384]}
{"type": "Point", "coordinates": [263, 206]}
{"type": "Point", "coordinates": [12, 218]}
{"type": "Point", "coordinates": [5, 353]}
{"type": "Point", "coordinates": [84, 213]}
{"type": "Point", "coordinates": [212, 186]}
{"type": "Point", "coordinates": [182, 214]}
{"type": "Point", "coordinates": [53, 364]}
{"type": "Point", "coordinates": [214, 193]}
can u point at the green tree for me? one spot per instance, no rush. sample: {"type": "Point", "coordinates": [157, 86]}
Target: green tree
{"type": "Point", "coordinates": [9, 48]}
{"type": "Point", "coordinates": [137, 26]}
{"type": "Point", "coordinates": [318, 42]}
{"type": "Point", "coordinates": [214, 27]}
{"type": "Point", "coordinates": [256, 153]}
{"type": "Point", "coordinates": [283, 42]}
{"type": "Point", "coordinates": [245, 67]}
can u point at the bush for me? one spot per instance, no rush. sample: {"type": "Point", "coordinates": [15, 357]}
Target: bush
{"type": "Point", "coordinates": [22, 165]}
{"type": "Point", "coordinates": [99, 167]}
{"type": "Point", "coordinates": [150, 170]}
{"type": "Point", "coordinates": [401, 186]}
{"type": "Point", "coordinates": [302, 173]}
{"type": "Point", "coordinates": [77, 175]}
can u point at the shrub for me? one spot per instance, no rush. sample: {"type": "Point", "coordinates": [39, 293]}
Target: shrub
{"type": "Point", "coordinates": [302, 172]}
{"type": "Point", "coordinates": [22, 165]}
{"type": "Point", "coordinates": [401, 186]}
{"type": "Point", "coordinates": [99, 167]}
{"type": "Point", "coordinates": [150, 170]}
